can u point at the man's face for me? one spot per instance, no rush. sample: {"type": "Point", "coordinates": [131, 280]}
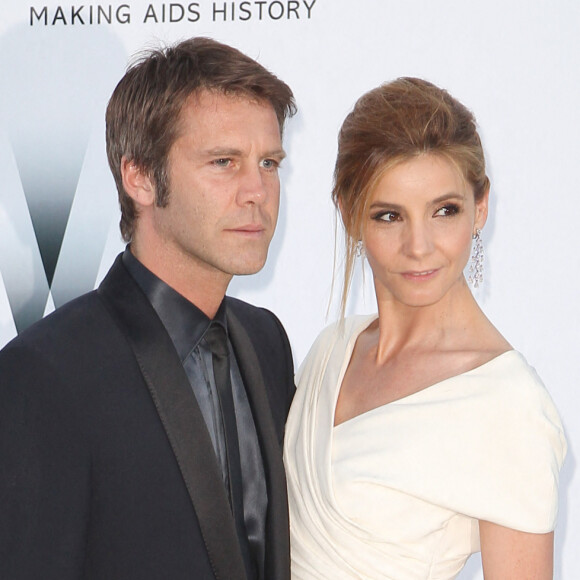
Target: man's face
{"type": "Point", "coordinates": [224, 189]}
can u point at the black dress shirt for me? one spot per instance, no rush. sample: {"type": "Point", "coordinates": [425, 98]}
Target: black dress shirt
{"type": "Point", "coordinates": [186, 325]}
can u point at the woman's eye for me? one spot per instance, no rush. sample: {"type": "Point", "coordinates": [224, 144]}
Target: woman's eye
{"type": "Point", "coordinates": [387, 216]}
{"type": "Point", "coordinates": [448, 210]}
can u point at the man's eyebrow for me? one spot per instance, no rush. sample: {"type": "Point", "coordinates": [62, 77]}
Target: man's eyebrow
{"type": "Point", "coordinates": [222, 152]}
{"type": "Point", "coordinates": [279, 153]}
{"type": "Point", "coordinates": [232, 152]}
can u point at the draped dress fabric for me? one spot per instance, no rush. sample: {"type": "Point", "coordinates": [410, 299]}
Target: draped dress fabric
{"type": "Point", "coordinates": [397, 492]}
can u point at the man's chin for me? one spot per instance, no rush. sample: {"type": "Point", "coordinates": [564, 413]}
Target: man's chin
{"type": "Point", "coordinates": [250, 268]}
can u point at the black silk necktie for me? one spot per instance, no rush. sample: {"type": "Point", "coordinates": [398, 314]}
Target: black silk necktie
{"type": "Point", "coordinates": [218, 343]}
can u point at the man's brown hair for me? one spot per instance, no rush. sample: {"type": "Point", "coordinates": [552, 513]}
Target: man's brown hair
{"type": "Point", "coordinates": [142, 119]}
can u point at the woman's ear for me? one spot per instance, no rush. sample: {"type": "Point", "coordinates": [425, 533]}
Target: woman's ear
{"type": "Point", "coordinates": [481, 208]}
{"type": "Point", "coordinates": [137, 183]}
{"type": "Point", "coordinates": [346, 221]}
{"type": "Point", "coordinates": [341, 210]}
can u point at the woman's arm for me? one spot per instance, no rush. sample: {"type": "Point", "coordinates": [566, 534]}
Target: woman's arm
{"type": "Point", "coordinates": [508, 554]}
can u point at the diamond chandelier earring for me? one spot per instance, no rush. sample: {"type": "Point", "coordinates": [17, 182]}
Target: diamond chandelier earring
{"type": "Point", "coordinates": [359, 249]}
{"type": "Point", "coordinates": [476, 267]}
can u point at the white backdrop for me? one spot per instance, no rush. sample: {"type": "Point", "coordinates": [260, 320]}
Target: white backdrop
{"type": "Point", "coordinates": [515, 63]}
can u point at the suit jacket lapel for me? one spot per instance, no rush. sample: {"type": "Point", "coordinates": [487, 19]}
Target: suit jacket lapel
{"type": "Point", "coordinates": [277, 539]}
{"type": "Point", "coordinates": [181, 418]}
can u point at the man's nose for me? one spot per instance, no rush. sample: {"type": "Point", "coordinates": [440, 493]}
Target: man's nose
{"type": "Point", "coordinates": [252, 187]}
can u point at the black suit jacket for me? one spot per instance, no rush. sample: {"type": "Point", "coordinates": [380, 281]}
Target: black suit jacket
{"type": "Point", "coordinates": [107, 470]}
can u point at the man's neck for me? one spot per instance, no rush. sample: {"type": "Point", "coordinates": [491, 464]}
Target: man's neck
{"type": "Point", "coordinates": [202, 287]}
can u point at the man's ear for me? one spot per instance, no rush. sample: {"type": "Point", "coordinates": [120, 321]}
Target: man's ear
{"type": "Point", "coordinates": [137, 183]}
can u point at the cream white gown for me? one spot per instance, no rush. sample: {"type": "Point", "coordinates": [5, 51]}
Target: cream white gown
{"type": "Point", "coordinates": [396, 493]}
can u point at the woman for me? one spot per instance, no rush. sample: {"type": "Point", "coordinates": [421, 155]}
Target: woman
{"type": "Point", "coordinates": [418, 436]}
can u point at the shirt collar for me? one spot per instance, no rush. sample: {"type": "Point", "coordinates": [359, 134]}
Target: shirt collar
{"type": "Point", "coordinates": [183, 320]}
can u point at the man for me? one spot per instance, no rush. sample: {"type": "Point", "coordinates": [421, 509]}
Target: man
{"type": "Point", "coordinates": [141, 425]}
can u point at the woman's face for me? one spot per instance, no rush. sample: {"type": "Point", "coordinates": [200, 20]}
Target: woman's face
{"type": "Point", "coordinates": [418, 230]}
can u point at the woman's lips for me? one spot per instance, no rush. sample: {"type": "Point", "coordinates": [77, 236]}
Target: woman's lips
{"type": "Point", "coordinates": [421, 276]}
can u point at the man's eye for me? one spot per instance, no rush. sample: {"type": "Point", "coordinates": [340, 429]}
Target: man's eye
{"type": "Point", "coordinates": [222, 162]}
{"type": "Point", "coordinates": [270, 164]}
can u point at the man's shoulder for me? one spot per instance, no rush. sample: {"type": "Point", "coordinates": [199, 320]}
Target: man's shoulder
{"type": "Point", "coordinates": [261, 325]}
{"type": "Point", "coordinates": [253, 317]}
{"type": "Point", "coordinates": [66, 338]}
{"type": "Point", "coordinates": [242, 308]}
{"type": "Point", "coordinates": [77, 312]}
